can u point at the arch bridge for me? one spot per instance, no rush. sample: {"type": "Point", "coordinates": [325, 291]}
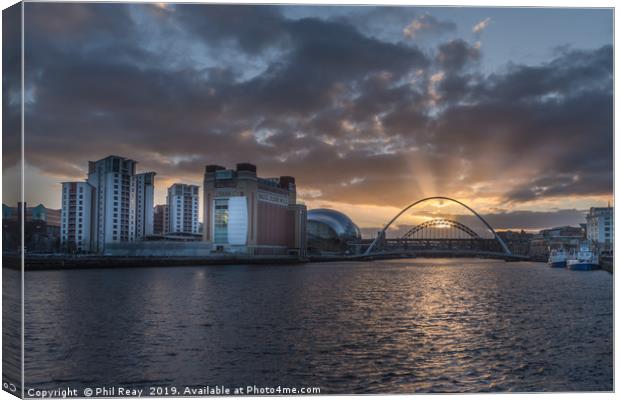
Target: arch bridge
{"type": "Point", "coordinates": [440, 237]}
{"type": "Point", "coordinates": [441, 228]}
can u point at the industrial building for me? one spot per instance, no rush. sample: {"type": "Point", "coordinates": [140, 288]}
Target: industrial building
{"type": "Point", "coordinates": [248, 214]}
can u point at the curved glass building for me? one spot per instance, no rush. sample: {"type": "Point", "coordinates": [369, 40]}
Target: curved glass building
{"type": "Point", "coordinates": [330, 231]}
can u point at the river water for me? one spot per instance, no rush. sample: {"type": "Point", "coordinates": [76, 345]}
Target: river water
{"type": "Point", "coordinates": [354, 327]}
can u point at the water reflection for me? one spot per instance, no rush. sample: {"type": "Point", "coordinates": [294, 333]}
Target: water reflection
{"type": "Point", "coordinates": [391, 327]}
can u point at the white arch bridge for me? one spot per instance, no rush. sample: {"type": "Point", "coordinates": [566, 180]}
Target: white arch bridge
{"type": "Point", "coordinates": [440, 237]}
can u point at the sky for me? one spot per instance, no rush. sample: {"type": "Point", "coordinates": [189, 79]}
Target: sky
{"type": "Point", "coordinates": [509, 110]}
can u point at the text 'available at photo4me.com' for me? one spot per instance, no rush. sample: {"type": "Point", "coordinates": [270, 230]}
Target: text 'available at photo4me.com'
{"type": "Point", "coordinates": [123, 391]}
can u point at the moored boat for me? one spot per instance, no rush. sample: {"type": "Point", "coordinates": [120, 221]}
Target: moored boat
{"type": "Point", "coordinates": [583, 260]}
{"type": "Point", "coordinates": [557, 258]}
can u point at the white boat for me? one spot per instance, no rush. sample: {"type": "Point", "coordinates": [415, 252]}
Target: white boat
{"type": "Point", "coordinates": [557, 258]}
{"type": "Point", "coordinates": [583, 260]}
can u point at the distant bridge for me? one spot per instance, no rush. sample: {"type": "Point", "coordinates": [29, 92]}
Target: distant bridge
{"type": "Point", "coordinates": [439, 237]}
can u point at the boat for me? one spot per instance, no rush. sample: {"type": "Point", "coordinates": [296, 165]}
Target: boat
{"type": "Point", "coordinates": [583, 260]}
{"type": "Point", "coordinates": [557, 258]}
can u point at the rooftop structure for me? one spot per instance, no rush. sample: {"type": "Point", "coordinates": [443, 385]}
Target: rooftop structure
{"type": "Point", "coordinates": [247, 213]}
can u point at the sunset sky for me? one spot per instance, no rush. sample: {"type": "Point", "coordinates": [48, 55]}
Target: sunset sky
{"type": "Point", "coordinates": [370, 108]}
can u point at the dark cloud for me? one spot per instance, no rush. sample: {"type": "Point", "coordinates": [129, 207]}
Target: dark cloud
{"type": "Point", "coordinates": [559, 185]}
{"type": "Point", "coordinates": [252, 28]}
{"type": "Point", "coordinates": [456, 54]}
{"type": "Point", "coordinates": [325, 60]}
{"type": "Point", "coordinates": [11, 86]}
{"type": "Point", "coordinates": [361, 119]}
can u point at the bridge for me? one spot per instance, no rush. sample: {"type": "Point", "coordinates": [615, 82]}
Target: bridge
{"type": "Point", "coordinates": [440, 237]}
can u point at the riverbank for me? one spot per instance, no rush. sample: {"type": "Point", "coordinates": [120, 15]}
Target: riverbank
{"type": "Point", "coordinates": [36, 263]}
{"type": "Point", "coordinates": [52, 261]}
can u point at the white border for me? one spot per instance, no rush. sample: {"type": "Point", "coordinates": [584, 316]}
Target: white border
{"type": "Point", "coordinates": [458, 3]}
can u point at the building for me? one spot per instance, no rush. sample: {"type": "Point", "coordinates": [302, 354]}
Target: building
{"type": "Point", "coordinates": [41, 228]}
{"type": "Point", "coordinates": [183, 209]}
{"type": "Point", "coordinates": [600, 227]}
{"type": "Point", "coordinates": [160, 219]}
{"type": "Point", "coordinates": [517, 242]}
{"type": "Point", "coordinates": [37, 213]}
{"type": "Point", "coordinates": [121, 206]}
{"type": "Point", "coordinates": [143, 191]}
{"type": "Point", "coordinates": [330, 231]}
{"type": "Point", "coordinates": [567, 237]}
{"type": "Point", "coordinates": [76, 216]}
{"type": "Point", "coordinates": [112, 178]}
{"type": "Point", "coordinates": [245, 213]}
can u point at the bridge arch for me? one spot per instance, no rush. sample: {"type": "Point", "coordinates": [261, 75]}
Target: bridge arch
{"type": "Point", "coordinates": [441, 222]}
{"type": "Point", "coordinates": [404, 210]}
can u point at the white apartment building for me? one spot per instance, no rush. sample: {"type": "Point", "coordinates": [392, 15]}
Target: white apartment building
{"type": "Point", "coordinates": [142, 198]}
{"type": "Point", "coordinates": [121, 204]}
{"type": "Point", "coordinates": [76, 216]}
{"type": "Point", "coordinates": [115, 217]}
{"type": "Point", "coordinates": [183, 206]}
{"type": "Point", "coordinates": [600, 226]}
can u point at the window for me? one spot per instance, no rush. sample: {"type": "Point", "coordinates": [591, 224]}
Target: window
{"type": "Point", "coordinates": [221, 221]}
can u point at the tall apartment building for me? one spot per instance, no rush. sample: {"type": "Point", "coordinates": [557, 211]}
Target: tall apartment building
{"type": "Point", "coordinates": [142, 196]}
{"type": "Point", "coordinates": [183, 206]}
{"type": "Point", "coordinates": [76, 216]}
{"type": "Point", "coordinates": [121, 205]}
{"type": "Point", "coordinates": [258, 215]}
{"type": "Point", "coordinates": [160, 219]}
{"type": "Point", "coordinates": [600, 227]}
{"type": "Point", "coordinates": [112, 178]}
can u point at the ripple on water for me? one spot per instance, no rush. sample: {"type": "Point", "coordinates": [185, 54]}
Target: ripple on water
{"type": "Point", "coordinates": [384, 327]}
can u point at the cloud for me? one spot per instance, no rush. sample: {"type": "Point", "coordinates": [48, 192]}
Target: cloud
{"type": "Point", "coordinates": [531, 221]}
{"type": "Point", "coordinates": [456, 54]}
{"type": "Point", "coordinates": [11, 90]}
{"type": "Point", "coordinates": [428, 24]}
{"type": "Point", "coordinates": [480, 26]}
{"type": "Point", "coordinates": [251, 28]}
{"type": "Point", "coordinates": [315, 98]}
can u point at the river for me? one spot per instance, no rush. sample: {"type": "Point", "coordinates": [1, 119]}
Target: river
{"type": "Point", "coordinates": [435, 325]}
